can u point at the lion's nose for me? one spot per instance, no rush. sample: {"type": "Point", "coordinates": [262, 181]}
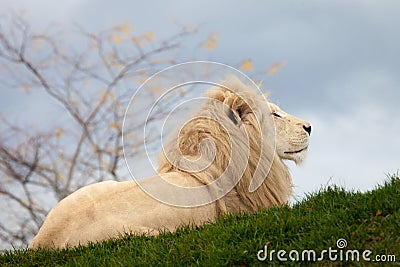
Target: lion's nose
{"type": "Point", "coordinates": [307, 129]}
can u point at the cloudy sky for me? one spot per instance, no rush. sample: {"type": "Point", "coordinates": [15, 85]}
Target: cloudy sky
{"type": "Point", "coordinates": [341, 73]}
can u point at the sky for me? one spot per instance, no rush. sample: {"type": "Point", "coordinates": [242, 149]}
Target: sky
{"type": "Point", "coordinates": [341, 72]}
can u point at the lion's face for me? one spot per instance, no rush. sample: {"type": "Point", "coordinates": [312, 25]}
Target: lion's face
{"type": "Point", "coordinates": [292, 135]}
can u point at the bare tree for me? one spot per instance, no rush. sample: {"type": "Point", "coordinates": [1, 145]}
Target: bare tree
{"type": "Point", "coordinates": [91, 77]}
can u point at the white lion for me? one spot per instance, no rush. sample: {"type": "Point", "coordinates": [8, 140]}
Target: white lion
{"type": "Point", "coordinates": [105, 210]}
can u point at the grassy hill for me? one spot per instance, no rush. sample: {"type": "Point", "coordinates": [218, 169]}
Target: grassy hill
{"type": "Point", "coordinates": [323, 222]}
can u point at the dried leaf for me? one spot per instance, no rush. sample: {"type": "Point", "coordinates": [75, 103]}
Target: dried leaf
{"type": "Point", "coordinates": [115, 125]}
{"type": "Point", "coordinates": [189, 29]}
{"type": "Point", "coordinates": [137, 40]}
{"type": "Point", "coordinates": [9, 180]}
{"type": "Point", "coordinates": [156, 89]}
{"type": "Point", "coordinates": [59, 176]}
{"type": "Point", "coordinates": [37, 44]}
{"type": "Point", "coordinates": [155, 60]}
{"type": "Point", "coordinates": [211, 41]}
{"type": "Point", "coordinates": [140, 79]}
{"type": "Point", "coordinates": [124, 28]}
{"type": "Point", "coordinates": [246, 65]}
{"type": "Point", "coordinates": [107, 96]}
{"type": "Point", "coordinates": [110, 57]}
{"type": "Point", "coordinates": [119, 65]}
{"type": "Point", "coordinates": [115, 39]}
{"type": "Point", "coordinates": [112, 96]}
{"type": "Point", "coordinates": [378, 212]}
{"type": "Point", "coordinates": [275, 68]}
{"type": "Point", "coordinates": [24, 88]}
{"type": "Point", "coordinates": [137, 146]}
{"type": "Point", "coordinates": [148, 36]}
{"type": "Point", "coordinates": [59, 132]}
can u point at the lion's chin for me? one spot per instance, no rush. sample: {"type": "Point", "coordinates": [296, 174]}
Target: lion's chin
{"type": "Point", "coordinates": [297, 156]}
{"type": "Point", "coordinates": [300, 157]}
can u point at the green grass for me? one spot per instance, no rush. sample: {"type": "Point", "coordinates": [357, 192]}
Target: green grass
{"type": "Point", "coordinates": [368, 221]}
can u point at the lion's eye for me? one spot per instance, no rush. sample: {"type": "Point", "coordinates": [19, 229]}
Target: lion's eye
{"type": "Point", "coordinates": [276, 115]}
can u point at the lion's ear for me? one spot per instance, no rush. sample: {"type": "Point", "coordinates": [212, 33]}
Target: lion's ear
{"type": "Point", "coordinates": [233, 117]}
{"type": "Point", "coordinates": [240, 108]}
{"type": "Point", "coordinates": [236, 108]}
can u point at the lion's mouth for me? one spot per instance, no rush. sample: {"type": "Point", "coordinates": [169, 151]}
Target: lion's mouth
{"type": "Point", "coordinates": [297, 151]}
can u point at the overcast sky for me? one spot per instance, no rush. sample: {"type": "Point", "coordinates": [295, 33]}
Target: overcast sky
{"type": "Point", "coordinates": [341, 74]}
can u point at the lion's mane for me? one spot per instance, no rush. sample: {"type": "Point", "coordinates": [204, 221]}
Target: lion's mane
{"type": "Point", "coordinates": [244, 118]}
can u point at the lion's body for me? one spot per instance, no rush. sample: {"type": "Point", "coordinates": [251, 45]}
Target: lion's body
{"type": "Point", "coordinates": [105, 210]}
